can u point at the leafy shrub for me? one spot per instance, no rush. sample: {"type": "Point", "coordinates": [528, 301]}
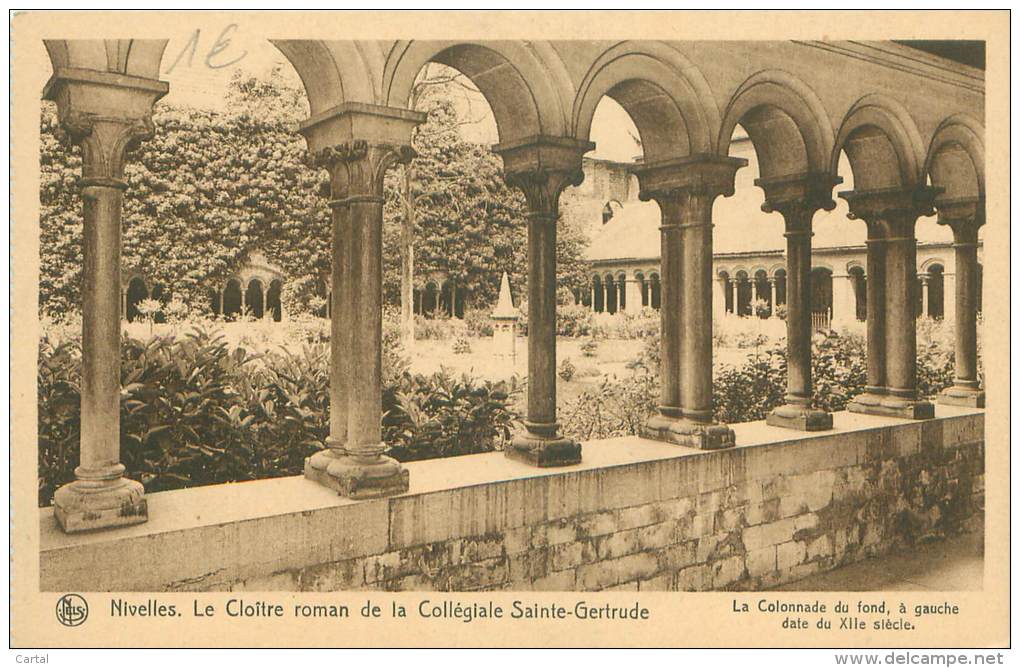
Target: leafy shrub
{"type": "Point", "coordinates": [461, 346]}
{"type": "Point", "coordinates": [573, 320]}
{"type": "Point", "coordinates": [748, 391]}
{"type": "Point", "coordinates": [196, 410]}
{"type": "Point", "coordinates": [478, 322]}
{"type": "Point", "coordinates": [567, 370]}
{"type": "Point", "coordinates": [444, 416]}
{"type": "Point", "coordinates": [626, 324]}
{"type": "Point", "coordinates": [441, 327]}
{"type": "Point", "coordinates": [617, 407]}
{"type": "Point", "coordinates": [589, 348]}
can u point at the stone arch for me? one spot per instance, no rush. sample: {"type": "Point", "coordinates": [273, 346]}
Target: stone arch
{"type": "Point", "coordinates": [786, 122]}
{"type": "Point", "coordinates": [882, 144]}
{"type": "Point", "coordinates": [776, 268]}
{"type": "Point", "coordinates": [665, 95]}
{"type": "Point", "coordinates": [523, 83]}
{"type": "Point", "coordinates": [956, 158]}
{"type": "Point", "coordinates": [132, 57]}
{"type": "Point", "coordinates": [931, 262]}
{"type": "Point", "coordinates": [333, 72]}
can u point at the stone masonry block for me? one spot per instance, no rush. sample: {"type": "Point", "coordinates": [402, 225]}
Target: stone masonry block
{"type": "Point", "coordinates": [761, 561]}
{"type": "Point", "coordinates": [602, 574]}
{"type": "Point", "coordinates": [773, 533]}
{"type": "Point", "coordinates": [790, 554]}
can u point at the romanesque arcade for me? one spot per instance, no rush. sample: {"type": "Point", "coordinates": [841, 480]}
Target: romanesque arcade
{"type": "Point", "coordinates": [909, 126]}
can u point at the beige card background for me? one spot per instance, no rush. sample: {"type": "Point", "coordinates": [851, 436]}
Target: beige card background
{"type": "Point", "coordinates": [677, 619]}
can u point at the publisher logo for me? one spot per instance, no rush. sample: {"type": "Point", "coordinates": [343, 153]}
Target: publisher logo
{"type": "Point", "coordinates": [72, 610]}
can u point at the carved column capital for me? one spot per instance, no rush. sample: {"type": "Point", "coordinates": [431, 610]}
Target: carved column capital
{"type": "Point", "coordinates": [105, 143]}
{"type": "Point", "coordinates": [892, 212]}
{"type": "Point", "coordinates": [108, 114]}
{"type": "Point", "coordinates": [963, 215]}
{"type": "Point", "coordinates": [799, 194]}
{"type": "Point", "coordinates": [543, 167]}
{"type": "Point", "coordinates": [357, 168]}
{"type": "Point", "coordinates": [702, 174]}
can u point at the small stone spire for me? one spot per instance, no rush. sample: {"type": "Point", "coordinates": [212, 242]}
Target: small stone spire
{"type": "Point", "coordinates": [505, 306]}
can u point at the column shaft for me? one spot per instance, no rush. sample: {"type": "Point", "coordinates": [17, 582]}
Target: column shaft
{"type": "Point", "coordinates": [339, 326]}
{"type": "Point", "coordinates": [798, 311]}
{"type": "Point", "coordinates": [542, 322]}
{"type": "Point", "coordinates": [798, 412]}
{"type": "Point", "coordinates": [696, 305]}
{"type": "Point", "coordinates": [900, 312]}
{"type": "Point", "coordinates": [100, 373]}
{"type": "Point", "coordinates": [364, 418]}
{"type": "Point", "coordinates": [876, 311]}
{"type": "Point", "coordinates": [966, 389]}
{"type": "Point", "coordinates": [670, 389]}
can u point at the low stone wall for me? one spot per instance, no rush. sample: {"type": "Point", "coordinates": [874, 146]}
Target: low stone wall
{"type": "Point", "coordinates": [635, 514]}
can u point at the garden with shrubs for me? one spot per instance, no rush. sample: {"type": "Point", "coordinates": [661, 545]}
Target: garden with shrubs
{"type": "Point", "coordinates": [206, 402]}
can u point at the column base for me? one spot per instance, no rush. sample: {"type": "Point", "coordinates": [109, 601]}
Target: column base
{"type": "Point", "coordinates": [358, 478]}
{"type": "Point", "coordinates": [543, 446]}
{"type": "Point", "coordinates": [799, 417]}
{"type": "Point", "coordinates": [892, 406]}
{"type": "Point", "coordinates": [685, 431]}
{"type": "Point", "coordinates": [87, 505]}
{"type": "Point", "coordinates": [962, 396]}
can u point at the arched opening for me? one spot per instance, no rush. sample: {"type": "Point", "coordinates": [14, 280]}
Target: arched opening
{"type": "Point", "coordinates": [763, 294]}
{"type": "Point", "coordinates": [273, 304]}
{"type": "Point", "coordinates": [655, 292]}
{"type": "Point", "coordinates": [779, 276]}
{"type": "Point", "coordinates": [136, 292]}
{"type": "Point", "coordinates": [860, 287]}
{"type": "Point", "coordinates": [821, 298]}
{"type": "Point", "coordinates": [598, 298]}
{"type": "Point", "coordinates": [611, 294]}
{"type": "Point", "coordinates": [934, 293]}
{"type": "Point", "coordinates": [429, 300]}
{"type": "Point", "coordinates": [744, 294]}
{"type": "Point", "coordinates": [161, 297]}
{"type": "Point", "coordinates": [642, 287]}
{"type": "Point", "coordinates": [451, 300]}
{"type": "Point", "coordinates": [254, 299]}
{"type": "Point", "coordinates": [724, 280]}
{"type": "Point", "coordinates": [232, 299]}
{"type": "Point", "coordinates": [621, 287]}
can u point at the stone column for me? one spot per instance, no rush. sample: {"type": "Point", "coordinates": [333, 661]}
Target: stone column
{"type": "Point", "coordinates": [123, 304]}
{"type": "Point", "coordinates": [542, 167]}
{"type": "Point", "coordinates": [735, 285]}
{"type": "Point", "coordinates": [797, 199]}
{"type": "Point", "coordinates": [965, 217]}
{"type": "Point", "coordinates": [772, 296]}
{"type": "Point", "coordinates": [373, 139]}
{"type": "Point", "coordinates": [892, 308]}
{"type": "Point", "coordinates": [685, 190]}
{"type": "Point", "coordinates": [107, 114]}
{"type": "Point", "coordinates": [923, 278]}
{"type": "Point", "coordinates": [593, 298]}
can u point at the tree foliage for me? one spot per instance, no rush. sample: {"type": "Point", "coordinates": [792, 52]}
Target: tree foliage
{"type": "Point", "coordinates": [211, 187]}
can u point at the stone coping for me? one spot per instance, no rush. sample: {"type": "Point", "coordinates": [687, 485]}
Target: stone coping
{"type": "Point", "coordinates": [214, 505]}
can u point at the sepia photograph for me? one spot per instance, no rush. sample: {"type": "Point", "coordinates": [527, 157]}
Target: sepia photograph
{"type": "Point", "coordinates": [425, 320]}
